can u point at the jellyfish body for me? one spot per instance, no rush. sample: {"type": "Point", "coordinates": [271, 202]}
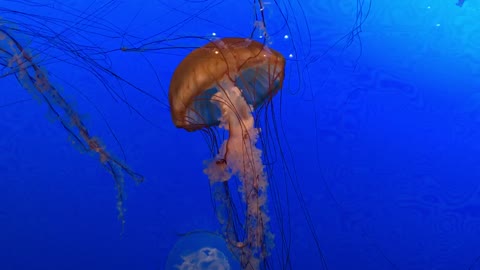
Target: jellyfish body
{"type": "Point", "coordinates": [221, 84]}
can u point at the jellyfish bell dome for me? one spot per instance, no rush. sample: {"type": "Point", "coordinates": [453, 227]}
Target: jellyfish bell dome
{"type": "Point", "coordinates": [257, 70]}
{"type": "Point", "coordinates": [201, 251]}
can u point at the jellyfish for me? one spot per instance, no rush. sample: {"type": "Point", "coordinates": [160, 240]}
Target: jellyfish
{"type": "Point", "coordinates": [221, 84]}
{"type": "Point", "coordinates": [19, 62]}
{"type": "Point", "coordinates": [200, 251]}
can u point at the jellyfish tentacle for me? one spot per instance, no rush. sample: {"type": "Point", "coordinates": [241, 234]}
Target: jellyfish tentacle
{"type": "Point", "coordinates": [35, 80]}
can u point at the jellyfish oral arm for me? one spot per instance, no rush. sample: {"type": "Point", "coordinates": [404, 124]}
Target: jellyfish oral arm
{"type": "Point", "coordinates": [242, 158]}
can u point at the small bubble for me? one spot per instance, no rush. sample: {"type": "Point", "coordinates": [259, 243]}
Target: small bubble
{"type": "Point", "coordinates": [285, 37]}
{"type": "Point", "coordinates": [290, 55]}
{"type": "Point", "coordinates": [437, 25]}
{"type": "Point", "coordinates": [214, 34]}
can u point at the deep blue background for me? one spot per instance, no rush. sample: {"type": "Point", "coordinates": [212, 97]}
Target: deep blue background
{"type": "Point", "coordinates": [384, 134]}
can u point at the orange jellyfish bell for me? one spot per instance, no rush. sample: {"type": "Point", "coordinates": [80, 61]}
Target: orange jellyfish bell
{"type": "Point", "coordinates": [220, 84]}
{"type": "Point", "coordinates": [251, 66]}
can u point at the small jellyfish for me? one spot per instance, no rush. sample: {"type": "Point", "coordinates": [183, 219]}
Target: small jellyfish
{"type": "Point", "coordinates": [221, 84]}
{"type": "Point", "coordinates": [201, 251]}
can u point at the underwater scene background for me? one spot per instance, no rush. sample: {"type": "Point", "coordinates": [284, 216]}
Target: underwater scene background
{"type": "Point", "coordinates": [372, 144]}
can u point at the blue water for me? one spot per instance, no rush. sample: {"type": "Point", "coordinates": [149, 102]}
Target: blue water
{"type": "Point", "coordinates": [380, 129]}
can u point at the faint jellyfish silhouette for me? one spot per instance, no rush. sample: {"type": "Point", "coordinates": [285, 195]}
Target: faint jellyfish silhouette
{"type": "Point", "coordinates": [34, 78]}
{"type": "Point", "coordinates": [221, 84]}
{"type": "Point", "coordinates": [201, 251]}
{"type": "Point", "coordinates": [205, 258]}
